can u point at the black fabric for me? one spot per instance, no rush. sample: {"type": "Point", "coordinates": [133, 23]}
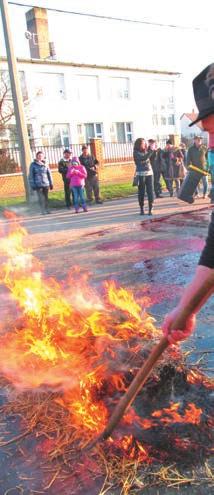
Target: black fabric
{"type": "Point", "coordinates": [63, 166]}
{"type": "Point", "coordinates": [142, 161]}
{"type": "Point", "coordinates": [145, 183]}
{"type": "Point", "coordinates": [207, 255]}
{"type": "Point", "coordinates": [190, 183]}
{"type": "Point", "coordinates": [90, 163]}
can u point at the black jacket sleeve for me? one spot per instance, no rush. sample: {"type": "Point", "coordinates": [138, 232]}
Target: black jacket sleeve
{"type": "Point", "coordinates": [207, 255]}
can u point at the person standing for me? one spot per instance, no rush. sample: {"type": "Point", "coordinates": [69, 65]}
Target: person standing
{"type": "Point", "coordinates": [144, 173]}
{"type": "Point", "coordinates": [169, 159]}
{"type": "Point", "coordinates": [40, 180]}
{"type": "Point", "coordinates": [156, 166]}
{"type": "Point", "coordinates": [179, 323]}
{"type": "Point", "coordinates": [92, 182]}
{"type": "Point", "coordinates": [197, 156]}
{"type": "Point", "coordinates": [63, 166]}
{"type": "Point", "coordinates": [76, 175]}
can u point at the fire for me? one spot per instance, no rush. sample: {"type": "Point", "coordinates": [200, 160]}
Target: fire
{"type": "Point", "coordinates": [81, 344]}
{"type": "Point", "coordinates": [66, 336]}
{"type": "Point", "coordinates": [192, 414]}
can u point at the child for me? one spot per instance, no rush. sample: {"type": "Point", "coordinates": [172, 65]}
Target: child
{"type": "Point", "coordinates": [77, 175]}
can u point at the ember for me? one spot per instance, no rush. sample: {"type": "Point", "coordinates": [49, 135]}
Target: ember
{"type": "Point", "coordinates": [69, 354]}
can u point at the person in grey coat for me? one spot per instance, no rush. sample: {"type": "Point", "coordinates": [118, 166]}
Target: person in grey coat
{"type": "Point", "coordinates": [41, 181]}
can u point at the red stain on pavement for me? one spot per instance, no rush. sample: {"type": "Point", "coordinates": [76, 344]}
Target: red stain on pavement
{"type": "Point", "coordinates": [191, 244]}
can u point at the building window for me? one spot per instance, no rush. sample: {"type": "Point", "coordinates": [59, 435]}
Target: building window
{"type": "Point", "coordinates": [119, 88]}
{"type": "Point", "coordinates": [155, 119]}
{"type": "Point", "coordinates": [171, 119]}
{"type": "Point", "coordinates": [49, 85]}
{"type": "Point", "coordinates": [87, 88]}
{"type": "Point", "coordinates": [80, 129]}
{"type": "Point", "coordinates": [124, 132]}
{"type": "Point", "coordinates": [56, 135]}
{"type": "Point", "coordinates": [163, 120]}
{"type": "Point", "coordinates": [93, 130]}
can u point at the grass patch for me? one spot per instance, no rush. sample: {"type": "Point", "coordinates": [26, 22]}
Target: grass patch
{"type": "Point", "coordinates": [56, 199]}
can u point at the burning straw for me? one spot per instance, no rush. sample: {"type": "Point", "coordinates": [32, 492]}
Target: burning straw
{"type": "Point", "coordinates": [69, 354]}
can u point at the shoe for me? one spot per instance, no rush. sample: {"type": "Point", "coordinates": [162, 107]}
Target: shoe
{"type": "Point", "coordinates": [142, 211]}
{"type": "Point", "coordinates": [48, 212]}
{"type": "Point", "coordinates": [76, 210]}
{"type": "Point", "coordinates": [84, 208]}
{"type": "Point", "coordinates": [150, 210]}
{"type": "Point", "coordinates": [204, 196]}
{"type": "Point", "coordinates": [99, 201]}
{"type": "Point", "coordinates": [171, 194]}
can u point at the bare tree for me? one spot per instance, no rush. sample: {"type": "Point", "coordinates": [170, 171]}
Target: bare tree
{"type": "Point", "coordinates": [6, 102]}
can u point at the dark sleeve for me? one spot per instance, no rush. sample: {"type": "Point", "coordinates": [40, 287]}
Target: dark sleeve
{"type": "Point", "coordinates": [31, 176]}
{"type": "Point", "coordinates": [61, 166]}
{"type": "Point", "coordinates": [140, 155]}
{"type": "Point", "coordinates": [207, 255]}
{"type": "Point", "coordinates": [50, 180]}
{"type": "Point", "coordinates": [95, 161]}
{"type": "Point", "coordinates": [189, 160]}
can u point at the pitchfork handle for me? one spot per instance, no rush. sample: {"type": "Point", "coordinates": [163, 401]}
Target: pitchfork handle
{"type": "Point", "coordinates": [135, 386]}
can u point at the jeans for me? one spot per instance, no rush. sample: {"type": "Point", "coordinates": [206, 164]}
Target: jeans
{"type": "Point", "coordinates": [92, 186]}
{"type": "Point", "coordinates": [145, 183]}
{"type": "Point", "coordinates": [42, 194]}
{"type": "Point", "coordinates": [79, 196]}
{"type": "Point", "coordinates": [205, 185]}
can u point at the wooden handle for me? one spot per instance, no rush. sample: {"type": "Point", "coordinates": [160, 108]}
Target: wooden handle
{"type": "Point", "coordinates": [135, 386]}
{"type": "Point", "coordinates": [147, 367]}
{"type": "Point", "coordinates": [144, 372]}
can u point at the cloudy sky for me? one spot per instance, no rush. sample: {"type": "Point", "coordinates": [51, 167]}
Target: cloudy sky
{"type": "Point", "coordinates": [187, 48]}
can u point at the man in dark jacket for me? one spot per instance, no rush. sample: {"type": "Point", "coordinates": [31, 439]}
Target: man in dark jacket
{"type": "Point", "coordinates": [63, 165]}
{"type": "Point", "coordinates": [197, 155]}
{"type": "Point", "coordinates": [155, 160]}
{"type": "Point", "coordinates": [92, 182]}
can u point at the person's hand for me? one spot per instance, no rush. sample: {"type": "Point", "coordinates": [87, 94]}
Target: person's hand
{"type": "Point", "coordinates": [51, 187]}
{"type": "Point", "coordinates": [175, 335]}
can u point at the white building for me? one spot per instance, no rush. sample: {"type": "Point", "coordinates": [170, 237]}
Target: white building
{"type": "Point", "coordinates": [70, 102]}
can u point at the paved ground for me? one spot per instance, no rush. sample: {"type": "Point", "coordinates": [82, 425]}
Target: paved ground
{"type": "Point", "coordinates": [116, 214]}
{"type": "Point", "coordinates": [154, 256]}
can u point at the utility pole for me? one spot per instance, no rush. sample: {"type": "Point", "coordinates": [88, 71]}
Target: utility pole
{"type": "Point", "coordinates": [25, 153]}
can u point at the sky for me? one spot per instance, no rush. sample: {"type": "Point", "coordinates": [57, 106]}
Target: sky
{"type": "Point", "coordinates": [186, 49]}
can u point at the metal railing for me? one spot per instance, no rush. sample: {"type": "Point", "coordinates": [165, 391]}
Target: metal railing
{"type": "Point", "coordinates": [113, 153]}
{"type": "Point", "coordinates": [52, 154]}
{"type": "Point", "coordinates": [117, 152]}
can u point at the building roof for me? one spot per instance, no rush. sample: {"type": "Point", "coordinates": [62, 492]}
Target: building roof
{"type": "Point", "coordinates": [90, 66]}
{"type": "Point", "coordinates": [193, 116]}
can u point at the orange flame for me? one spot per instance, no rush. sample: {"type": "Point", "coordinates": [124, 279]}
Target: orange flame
{"type": "Point", "coordinates": [65, 335]}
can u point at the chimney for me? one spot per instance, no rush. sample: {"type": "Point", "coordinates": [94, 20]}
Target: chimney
{"type": "Point", "coordinates": [37, 25]}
